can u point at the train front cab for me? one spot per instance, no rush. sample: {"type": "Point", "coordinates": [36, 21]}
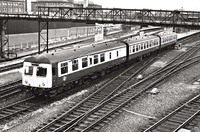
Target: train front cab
{"type": "Point", "coordinates": [37, 75]}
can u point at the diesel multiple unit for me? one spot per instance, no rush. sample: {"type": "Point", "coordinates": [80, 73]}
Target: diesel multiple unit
{"type": "Point", "coordinates": [48, 71]}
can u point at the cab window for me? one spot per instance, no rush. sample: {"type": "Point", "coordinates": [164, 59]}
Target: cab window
{"type": "Point", "coordinates": [42, 72]}
{"type": "Point", "coordinates": [28, 70]}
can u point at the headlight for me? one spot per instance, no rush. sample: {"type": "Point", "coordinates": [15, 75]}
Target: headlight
{"type": "Point", "coordinates": [43, 84]}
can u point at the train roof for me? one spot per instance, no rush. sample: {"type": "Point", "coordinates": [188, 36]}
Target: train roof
{"type": "Point", "coordinates": [69, 54]}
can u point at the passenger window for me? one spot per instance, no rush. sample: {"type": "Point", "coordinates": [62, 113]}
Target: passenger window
{"type": "Point", "coordinates": [28, 70]}
{"type": "Point", "coordinates": [42, 72]}
{"type": "Point", "coordinates": [149, 44]}
{"type": "Point", "coordinates": [136, 47]}
{"type": "Point", "coordinates": [84, 62]}
{"type": "Point", "coordinates": [141, 46]}
{"type": "Point", "coordinates": [96, 60]}
{"type": "Point", "coordinates": [75, 65]}
{"type": "Point", "coordinates": [64, 67]}
{"type": "Point", "coordinates": [145, 45]}
{"type": "Point", "coordinates": [133, 48]}
{"type": "Point", "coordinates": [102, 57]}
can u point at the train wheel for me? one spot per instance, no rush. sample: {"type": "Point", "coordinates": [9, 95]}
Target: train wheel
{"type": "Point", "coordinates": [51, 93]}
{"type": "Point", "coordinates": [38, 92]}
{"type": "Point", "coordinates": [103, 73]}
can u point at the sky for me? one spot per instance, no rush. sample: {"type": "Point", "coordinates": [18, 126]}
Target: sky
{"type": "Point", "coordinates": [189, 5]}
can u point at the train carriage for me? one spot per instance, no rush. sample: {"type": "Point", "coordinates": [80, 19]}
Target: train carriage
{"type": "Point", "coordinates": [74, 66]}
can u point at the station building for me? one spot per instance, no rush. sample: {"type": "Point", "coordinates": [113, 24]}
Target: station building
{"type": "Point", "coordinates": [13, 6]}
{"type": "Point", "coordinates": [51, 3]}
{"type": "Point", "coordinates": [62, 3]}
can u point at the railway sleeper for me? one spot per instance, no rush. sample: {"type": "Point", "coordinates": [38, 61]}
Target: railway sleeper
{"type": "Point", "coordinates": [118, 102]}
{"type": "Point", "coordinates": [58, 125]}
{"type": "Point", "coordinates": [91, 119]}
{"type": "Point", "coordinates": [98, 96]}
{"type": "Point", "coordinates": [74, 116]}
{"type": "Point", "coordinates": [99, 113]}
{"type": "Point", "coordinates": [87, 122]}
{"type": "Point", "coordinates": [89, 104]}
{"type": "Point", "coordinates": [78, 113]}
{"type": "Point", "coordinates": [97, 100]}
{"type": "Point", "coordinates": [177, 119]}
{"type": "Point", "coordinates": [161, 129]}
{"type": "Point", "coordinates": [94, 116]}
{"type": "Point", "coordinates": [105, 108]}
{"type": "Point", "coordinates": [78, 128]}
{"type": "Point", "coordinates": [7, 112]}
{"type": "Point", "coordinates": [64, 121]}
{"type": "Point", "coordinates": [69, 118]}
{"type": "Point", "coordinates": [84, 108]}
{"type": "Point", "coordinates": [83, 125]}
{"type": "Point", "coordinates": [186, 113]}
{"type": "Point", "coordinates": [104, 111]}
{"type": "Point", "coordinates": [94, 99]}
{"type": "Point", "coordinates": [52, 128]}
{"type": "Point", "coordinates": [169, 126]}
{"type": "Point", "coordinates": [10, 110]}
{"type": "Point", "coordinates": [81, 110]}
{"type": "Point", "coordinates": [99, 126]}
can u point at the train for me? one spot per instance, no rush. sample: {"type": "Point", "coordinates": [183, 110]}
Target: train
{"type": "Point", "coordinates": [50, 73]}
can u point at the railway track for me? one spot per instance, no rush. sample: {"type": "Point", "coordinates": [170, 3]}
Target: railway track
{"type": "Point", "coordinates": [28, 104]}
{"type": "Point", "coordinates": [97, 117]}
{"type": "Point", "coordinates": [102, 94]}
{"type": "Point", "coordinates": [123, 76]}
{"type": "Point", "coordinates": [11, 67]}
{"type": "Point", "coordinates": [64, 122]}
{"type": "Point", "coordinates": [10, 89]}
{"type": "Point", "coordinates": [185, 116]}
{"type": "Point", "coordinates": [16, 109]}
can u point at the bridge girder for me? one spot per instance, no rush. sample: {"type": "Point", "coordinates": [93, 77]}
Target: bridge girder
{"type": "Point", "coordinates": [130, 16]}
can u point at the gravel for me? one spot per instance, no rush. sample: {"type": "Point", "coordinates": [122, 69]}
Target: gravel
{"type": "Point", "coordinates": [175, 90]}
{"type": "Point", "coordinates": [171, 93]}
{"type": "Point", "coordinates": [9, 77]}
{"type": "Point", "coordinates": [34, 119]}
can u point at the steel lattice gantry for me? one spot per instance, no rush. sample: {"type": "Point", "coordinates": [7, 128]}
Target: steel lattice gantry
{"type": "Point", "coordinates": [125, 16]}
{"type": "Point", "coordinates": [175, 18]}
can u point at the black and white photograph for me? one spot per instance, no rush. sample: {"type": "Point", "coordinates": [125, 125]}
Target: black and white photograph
{"type": "Point", "coordinates": [99, 66]}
